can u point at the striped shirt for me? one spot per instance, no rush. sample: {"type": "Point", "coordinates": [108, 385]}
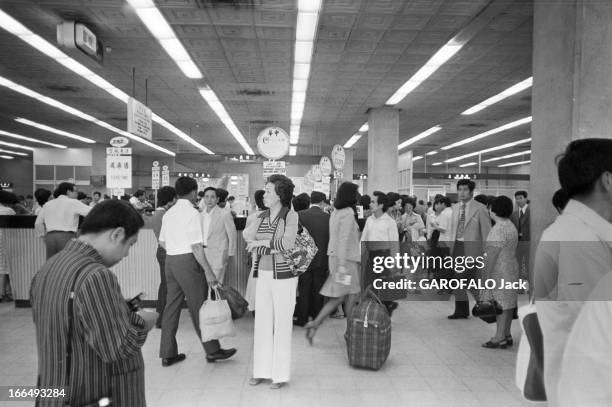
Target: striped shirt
{"type": "Point", "coordinates": [106, 338]}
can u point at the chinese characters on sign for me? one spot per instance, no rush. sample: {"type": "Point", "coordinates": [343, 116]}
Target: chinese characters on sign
{"type": "Point", "coordinates": [273, 143]}
{"type": "Point", "coordinates": [155, 175]}
{"type": "Point", "coordinates": [118, 167]}
{"type": "Point", "coordinates": [165, 176]}
{"type": "Point", "coordinates": [139, 119]}
{"type": "Point", "coordinates": [274, 167]}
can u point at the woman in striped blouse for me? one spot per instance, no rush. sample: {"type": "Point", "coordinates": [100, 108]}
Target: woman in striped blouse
{"type": "Point", "coordinates": [274, 231]}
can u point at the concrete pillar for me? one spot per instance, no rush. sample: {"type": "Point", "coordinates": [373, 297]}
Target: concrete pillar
{"type": "Point", "coordinates": [348, 170]}
{"type": "Point", "coordinates": [572, 90]}
{"type": "Point", "coordinates": [383, 138]}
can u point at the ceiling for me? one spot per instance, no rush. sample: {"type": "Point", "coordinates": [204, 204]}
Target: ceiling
{"type": "Point", "coordinates": [364, 51]}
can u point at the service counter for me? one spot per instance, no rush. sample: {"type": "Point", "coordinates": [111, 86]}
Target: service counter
{"type": "Point", "coordinates": [138, 272]}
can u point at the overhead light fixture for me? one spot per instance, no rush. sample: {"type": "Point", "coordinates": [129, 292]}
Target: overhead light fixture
{"type": "Point", "coordinates": [24, 138]}
{"type": "Point", "coordinates": [436, 164]}
{"type": "Point", "coordinates": [507, 156]}
{"type": "Point", "coordinates": [52, 102]}
{"type": "Point", "coordinates": [215, 104]}
{"type": "Point", "coordinates": [364, 127]}
{"type": "Point", "coordinates": [305, 33]}
{"type": "Point", "coordinates": [512, 90]}
{"type": "Point", "coordinates": [153, 19]}
{"type": "Point", "coordinates": [468, 164]}
{"type": "Point", "coordinates": [420, 136]}
{"type": "Point", "coordinates": [417, 158]}
{"type": "Point", "coordinates": [488, 150]}
{"type": "Point", "coordinates": [6, 157]}
{"type": "Point", "coordinates": [488, 133]}
{"type": "Point", "coordinates": [292, 150]}
{"type": "Point", "coordinates": [15, 27]}
{"type": "Point", "coordinates": [514, 164]}
{"type": "Point", "coordinates": [352, 140]}
{"type": "Point", "coordinates": [53, 130]}
{"type": "Point", "coordinates": [436, 61]}
{"type": "Point", "coordinates": [434, 152]}
{"type": "Point", "coordinates": [13, 152]}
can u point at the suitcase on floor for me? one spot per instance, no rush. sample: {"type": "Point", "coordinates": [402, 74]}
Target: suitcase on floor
{"type": "Point", "coordinates": [369, 333]}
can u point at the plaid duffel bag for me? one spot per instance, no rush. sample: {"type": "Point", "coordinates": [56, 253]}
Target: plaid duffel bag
{"type": "Point", "coordinates": [369, 333]}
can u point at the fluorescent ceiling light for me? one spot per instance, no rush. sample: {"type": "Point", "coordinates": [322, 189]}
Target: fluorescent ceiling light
{"type": "Point", "coordinates": [433, 152]}
{"type": "Point", "coordinates": [13, 26]}
{"type": "Point", "coordinates": [352, 141]}
{"type": "Point", "coordinates": [305, 33]}
{"type": "Point", "coordinates": [436, 164]}
{"type": "Point", "coordinates": [436, 61]}
{"type": "Point", "coordinates": [52, 102]}
{"type": "Point", "coordinates": [468, 164]}
{"type": "Point", "coordinates": [488, 150]}
{"type": "Point", "coordinates": [292, 150]}
{"type": "Point", "coordinates": [12, 152]}
{"type": "Point", "coordinates": [24, 138]}
{"type": "Point", "coordinates": [418, 137]}
{"type": "Point", "coordinates": [6, 157]}
{"type": "Point", "coordinates": [417, 158]}
{"type": "Point", "coordinates": [507, 156]}
{"type": "Point", "coordinates": [215, 104]}
{"type": "Point", "coordinates": [4, 143]}
{"type": "Point", "coordinates": [515, 163]}
{"type": "Point", "coordinates": [496, 130]}
{"type": "Point", "coordinates": [154, 20]}
{"type": "Point", "coordinates": [364, 127]}
{"type": "Point", "coordinates": [53, 130]}
{"type": "Point", "coordinates": [512, 90]}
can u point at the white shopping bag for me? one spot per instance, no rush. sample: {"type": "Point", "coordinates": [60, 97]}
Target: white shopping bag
{"type": "Point", "coordinates": [216, 318]}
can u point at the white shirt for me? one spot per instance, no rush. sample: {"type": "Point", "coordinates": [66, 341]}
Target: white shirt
{"type": "Point", "coordinates": [62, 214]}
{"type": "Point", "coordinates": [523, 209]}
{"type": "Point", "coordinates": [444, 220]}
{"type": "Point", "coordinates": [382, 229]}
{"type": "Point", "coordinates": [206, 218]}
{"type": "Point", "coordinates": [577, 249]}
{"type": "Point", "coordinates": [181, 228]}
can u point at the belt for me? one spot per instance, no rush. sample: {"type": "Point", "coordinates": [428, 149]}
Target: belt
{"type": "Point", "coordinates": [60, 231]}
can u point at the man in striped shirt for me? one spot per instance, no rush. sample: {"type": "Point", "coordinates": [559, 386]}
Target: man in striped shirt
{"type": "Point", "coordinates": [101, 355]}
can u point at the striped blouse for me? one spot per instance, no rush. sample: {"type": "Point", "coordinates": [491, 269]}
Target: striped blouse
{"type": "Point", "coordinates": [107, 336]}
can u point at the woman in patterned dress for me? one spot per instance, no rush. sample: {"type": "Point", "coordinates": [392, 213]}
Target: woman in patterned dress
{"type": "Point", "coordinates": [501, 264]}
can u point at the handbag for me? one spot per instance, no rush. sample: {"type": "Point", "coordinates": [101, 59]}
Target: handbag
{"type": "Point", "coordinates": [530, 358]}
{"type": "Point", "coordinates": [215, 318]}
{"type": "Point", "coordinates": [237, 304]}
{"type": "Point", "coordinates": [487, 309]}
{"type": "Point", "coordinates": [299, 257]}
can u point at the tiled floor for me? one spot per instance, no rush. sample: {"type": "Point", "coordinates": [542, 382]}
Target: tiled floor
{"type": "Point", "coordinates": [433, 362]}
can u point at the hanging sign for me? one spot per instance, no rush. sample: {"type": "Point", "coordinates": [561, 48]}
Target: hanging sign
{"type": "Point", "coordinates": [326, 165]}
{"type": "Point", "coordinates": [139, 119]}
{"type": "Point", "coordinates": [165, 176]}
{"type": "Point", "coordinates": [316, 173]}
{"type": "Point", "coordinates": [273, 143]}
{"type": "Point", "coordinates": [118, 192]}
{"type": "Point", "coordinates": [155, 175]}
{"type": "Point", "coordinates": [338, 156]}
{"type": "Point", "coordinates": [118, 165]}
{"type": "Point", "coordinates": [274, 167]}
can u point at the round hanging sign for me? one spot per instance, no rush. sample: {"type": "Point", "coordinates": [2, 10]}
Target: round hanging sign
{"type": "Point", "coordinates": [273, 143]}
{"type": "Point", "coordinates": [316, 173]}
{"type": "Point", "coordinates": [119, 141]}
{"type": "Point", "coordinates": [338, 156]}
{"type": "Point", "coordinates": [326, 166]}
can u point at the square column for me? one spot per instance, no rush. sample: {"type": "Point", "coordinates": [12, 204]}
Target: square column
{"type": "Point", "coordinates": [383, 139]}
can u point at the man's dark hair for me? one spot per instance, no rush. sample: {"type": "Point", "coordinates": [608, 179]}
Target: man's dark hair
{"type": "Point", "coordinates": [429, 204]}
{"type": "Point", "coordinates": [81, 195]}
{"type": "Point", "coordinates": [111, 214]}
{"type": "Point", "coordinates": [209, 189]}
{"type": "Point", "coordinates": [365, 201]}
{"type": "Point", "coordinates": [139, 193]}
{"type": "Point", "coordinates": [259, 201]}
{"type": "Point", "coordinates": [560, 199]}
{"type": "Point", "coordinates": [201, 194]}
{"type": "Point", "coordinates": [421, 202]}
{"type": "Point", "coordinates": [106, 196]}
{"type": "Point", "coordinates": [393, 197]}
{"type": "Point", "coordinates": [582, 164]}
{"type": "Point", "coordinates": [502, 206]}
{"type": "Point", "coordinates": [443, 200]}
{"type": "Point", "coordinates": [97, 193]}
{"type": "Point", "coordinates": [283, 186]}
{"type": "Point", "coordinates": [222, 194]}
{"type": "Point", "coordinates": [523, 193]}
{"type": "Point", "coordinates": [410, 201]}
{"type": "Point", "coordinates": [185, 185]}
{"type": "Point", "coordinates": [470, 184]}
{"type": "Point", "coordinates": [301, 202]}
{"type": "Point", "coordinates": [346, 196]}
{"type": "Point", "coordinates": [317, 197]}
{"type": "Point", "coordinates": [8, 198]}
{"type": "Point", "coordinates": [63, 188]}
{"type": "Point", "coordinates": [482, 198]}
{"type": "Point", "coordinates": [42, 196]}
{"type": "Point", "coordinates": [164, 195]}
{"type": "Point", "coordinates": [231, 198]}
{"type": "Point", "coordinates": [382, 198]}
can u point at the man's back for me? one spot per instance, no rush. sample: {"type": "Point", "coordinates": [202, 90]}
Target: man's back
{"type": "Point", "coordinates": [317, 222]}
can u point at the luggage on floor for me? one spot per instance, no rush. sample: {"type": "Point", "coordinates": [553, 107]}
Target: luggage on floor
{"type": "Point", "coordinates": [369, 333]}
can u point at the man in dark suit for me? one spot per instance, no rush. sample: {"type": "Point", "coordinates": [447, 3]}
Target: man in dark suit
{"type": "Point", "coordinates": [520, 218]}
{"type": "Point", "coordinates": [316, 221]}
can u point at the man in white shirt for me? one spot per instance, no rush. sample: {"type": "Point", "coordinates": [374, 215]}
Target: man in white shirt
{"type": "Point", "coordinates": [574, 253]}
{"type": "Point", "coordinates": [218, 233]}
{"type": "Point", "coordinates": [139, 201]}
{"type": "Point", "coordinates": [382, 239]}
{"type": "Point", "coordinates": [59, 218]}
{"type": "Point", "coordinates": [188, 273]}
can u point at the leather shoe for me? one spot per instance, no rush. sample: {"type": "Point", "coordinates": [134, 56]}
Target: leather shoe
{"type": "Point", "coordinates": [170, 361]}
{"type": "Point", "coordinates": [392, 306]}
{"type": "Point", "coordinates": [221, 354]}
{"type": "Point", "coordinates": [456, 316]}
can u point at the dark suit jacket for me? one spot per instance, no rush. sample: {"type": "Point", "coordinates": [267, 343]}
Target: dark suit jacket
{"type": "Point", "coordinates": [317, 223]}
{"type": "Point", "coordinates": [523, 228]}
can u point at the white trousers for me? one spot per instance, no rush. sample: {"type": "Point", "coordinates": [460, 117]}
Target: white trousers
{"type": "Point", "coordinates": [275, 301]}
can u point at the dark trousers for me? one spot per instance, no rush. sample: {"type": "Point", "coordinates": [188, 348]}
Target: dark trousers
{"type": "Point", "coordinates": [162, 291]}
{"type": "Point", "coordinates": [56, 241]}
{"type": "Point", "coordinates": [462, 301]}
{"type": "Point", "coordinates": [184, 279]}
{"type": "Point", "coordinates": [309, 301]}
